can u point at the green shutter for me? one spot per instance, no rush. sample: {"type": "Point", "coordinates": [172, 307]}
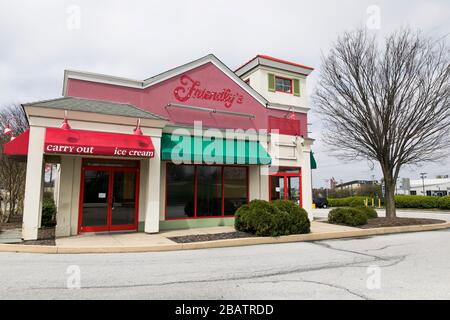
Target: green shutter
{"type": "Point", "coordinates": [312, 160]}
{"type": "Point", "coordinates": [271, 82]}
{"type": "Point", "coordinates": [297, 87]}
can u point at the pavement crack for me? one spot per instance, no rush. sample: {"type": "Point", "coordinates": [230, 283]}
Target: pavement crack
{"type": "Point", "coordinates": [319, 283]}
{"type": "Point", "coordinates": [328, 246]}
{"type": "Point", "coordinates": [338, 287]}
{"type": "Point", "coordinates": [387, 246]}
{"type": "Point", "coordinates": [235, 278]}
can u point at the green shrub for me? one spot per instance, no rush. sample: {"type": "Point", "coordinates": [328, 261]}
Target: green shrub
{"type": "Point", "coordinates": [346, 202]}
{"type": "Point", "coordinates": [420, 202]}
{"type": "Point", "coordinates": [347, 216]}
{"type": "Point", "coordinates": [368, 211]}
{"type": "Point", "coordinates": [298, 221]}
{"type": "Point", "coordinates": [271, 219]}
{"type": "Point", "coordinates": [444, 202]}
{"type": "Point", "coordinates": [48, 212]}
{"type": "Point", "coordinates": [357, 202]}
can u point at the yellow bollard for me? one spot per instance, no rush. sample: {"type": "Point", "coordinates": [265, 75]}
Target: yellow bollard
{"type": "Point", "coordinates": [373, 202]}
{"type": "Point", "coordinates": [313, 205]}
{"type": "Point", "coordinates": [379, 203]}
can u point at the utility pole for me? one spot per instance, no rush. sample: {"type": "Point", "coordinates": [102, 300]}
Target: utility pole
{"type": "Point", "coordinates": [422, 175]}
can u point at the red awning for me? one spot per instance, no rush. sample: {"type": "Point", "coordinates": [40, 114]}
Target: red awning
{"type": "Point", "coordinates": [63, 141]}
{"type": "Point", "coordinates": [18, 146]}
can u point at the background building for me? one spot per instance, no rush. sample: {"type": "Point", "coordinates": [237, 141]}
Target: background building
{"type": "Point", "coordinates": [438, 186]}
{"type": "Point", "coordinates": [356, 188]}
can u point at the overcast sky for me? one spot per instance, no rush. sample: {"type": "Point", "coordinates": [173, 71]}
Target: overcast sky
{"type": "Point", "coordinates": [137, 39]}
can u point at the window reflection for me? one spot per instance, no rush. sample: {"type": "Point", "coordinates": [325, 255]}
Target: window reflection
{"type": "Point", "coordinates": [219, 190]}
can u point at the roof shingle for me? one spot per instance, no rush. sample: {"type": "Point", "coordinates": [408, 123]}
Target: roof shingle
{"type": "Point", "coordinates": [95, 106]}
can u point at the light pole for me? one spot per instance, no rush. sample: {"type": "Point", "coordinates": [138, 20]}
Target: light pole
{"type": "Point", "coordinates": [326, 187]}
{"type": "Point", "coordinates": [422, 175]}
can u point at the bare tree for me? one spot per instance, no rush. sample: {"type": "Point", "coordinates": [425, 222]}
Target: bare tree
{"type": "Point", "coordinates": [12, 172]}
{"type": "Point", "coordinates": [386, 103]}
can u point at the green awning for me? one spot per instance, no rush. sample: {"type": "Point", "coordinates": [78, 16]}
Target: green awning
{"type": "Point", "coordinates": [193, 149]}
{"type": "Point", "coordinates": [312, 160]}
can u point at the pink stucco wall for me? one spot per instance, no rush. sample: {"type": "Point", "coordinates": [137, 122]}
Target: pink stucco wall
{"type": "Point", "coordinates": [156, 97]}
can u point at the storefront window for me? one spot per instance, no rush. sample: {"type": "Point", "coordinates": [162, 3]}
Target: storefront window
{"type": "Point", "coordinates": [180, 191]}
{"type": "Point", "coordinates": [111, 163]}
{"type": "Point", "coordinates": [209, 191]}
{"type": "Point", "coordinates": [234, 189]}
{"type": "Point", "coordinates": [219, 190]}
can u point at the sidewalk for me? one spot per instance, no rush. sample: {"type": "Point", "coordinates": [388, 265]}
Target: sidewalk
{"type": "Point", "coordinates": [142, 242]}
{"type": "Point", "coordinates": [133, 239]}
{"type": "Point", "coordinates": [11, 235]}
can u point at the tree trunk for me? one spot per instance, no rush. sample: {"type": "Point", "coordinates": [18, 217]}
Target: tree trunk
{"type": "Point", "coordinates": [389, 197]}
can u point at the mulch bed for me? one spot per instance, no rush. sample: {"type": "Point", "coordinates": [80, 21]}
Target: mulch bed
{"type": "Point", "coordinates": [46, 237]}
{"type": "Point", "coordinates": [211, 237]}
{"type": "Point", "coordinates": [397, 222]}
{"type": "Point", "coordinates": [9, 226]}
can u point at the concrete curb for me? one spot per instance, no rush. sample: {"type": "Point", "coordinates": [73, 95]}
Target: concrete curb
{"type": "Point", "coordinates": [224, 243]}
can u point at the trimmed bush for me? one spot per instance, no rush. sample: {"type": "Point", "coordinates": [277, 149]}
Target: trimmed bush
{"type": "Point", "coordinates": [48, 212]}
{"type": "Point", "coordinates": [444, 202]}
{"type": "Point", "coordinates": [368, 211]}
{"type": "Point", "coordinates": [420, 202]}
{"type": "Point", "coordinates": [298, 221]}
{"type": "Point", "coordinates": [271, 219]}
{"type": "Point", "coordinates": [357, 202]}
{"type": "Point", "coordinates": [346, 202]}
{"type": "Point", "coordinates": [347, 216]}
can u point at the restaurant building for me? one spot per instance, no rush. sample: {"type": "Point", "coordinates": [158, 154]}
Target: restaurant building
{"type": "Point", "coordinates": [181, 149]}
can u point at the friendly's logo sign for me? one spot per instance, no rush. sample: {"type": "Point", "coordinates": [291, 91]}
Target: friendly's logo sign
{"type": "Point", "coordinates": [191, 89]}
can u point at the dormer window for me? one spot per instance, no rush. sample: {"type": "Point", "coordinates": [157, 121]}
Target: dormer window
{"type": "Point", "coordinates": [283, 84]}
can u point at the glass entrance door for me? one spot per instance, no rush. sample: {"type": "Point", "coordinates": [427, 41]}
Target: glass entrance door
{"type": "Point", "coordinates": [109, 199]}
{"type": "Point", "coordinates": [293, 189]}
{"type": "Point", "coordinates": [276, 187]}
{"type": "Point", "coordinates": [123, 207]}
{"type": "Point", "coordinates": [285, 183]}
{"type": "Point", "coordinates": [95, 200]}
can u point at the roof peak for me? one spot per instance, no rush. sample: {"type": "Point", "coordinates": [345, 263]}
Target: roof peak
{"type": "Point", "coordinates": [259, 61]}
{"type": "Point", "coordinates": [284, 61]}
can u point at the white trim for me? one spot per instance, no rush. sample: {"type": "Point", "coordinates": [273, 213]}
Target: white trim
{"type": "Point", "coordinates": [286, 157]}
{"type": "Point", "coordinates": [276, 65]}
{"type": "Point", "coordinates": [289, 108]}
{"type": "Point", "coordinates": [101, 78]}
{"type": "Point", "coordinates": [285, 144]}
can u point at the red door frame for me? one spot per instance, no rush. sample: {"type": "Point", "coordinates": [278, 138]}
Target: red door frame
{"type": "Point", "coordinates": [108, 226]}
{"type": "Point", "coordinates": [285, 183]}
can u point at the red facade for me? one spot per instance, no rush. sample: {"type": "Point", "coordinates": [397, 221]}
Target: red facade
{"type": "Point", "coordinates": [205, 86]}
